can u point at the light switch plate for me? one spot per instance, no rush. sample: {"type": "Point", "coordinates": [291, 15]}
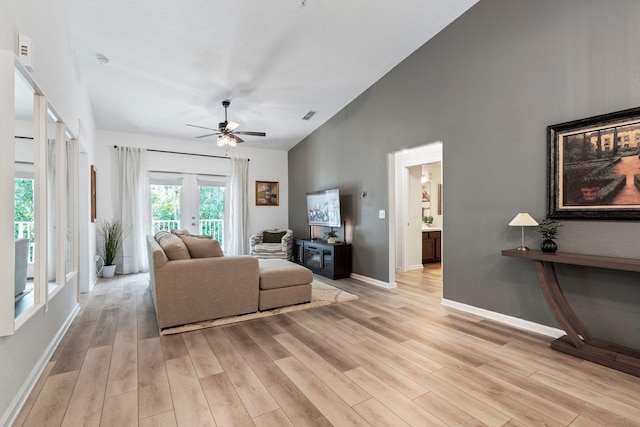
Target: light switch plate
{"type": "Point", "coordinates": [382, 214]}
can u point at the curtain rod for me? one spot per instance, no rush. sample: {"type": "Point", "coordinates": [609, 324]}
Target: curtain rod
{"type": "Point", "coordinates": [23, 137]}
{"type": "Point", "coordinates": [187, 154]}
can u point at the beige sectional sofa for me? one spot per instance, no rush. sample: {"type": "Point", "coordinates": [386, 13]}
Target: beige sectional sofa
{"type": "Point", "coordinates": [192, 281]}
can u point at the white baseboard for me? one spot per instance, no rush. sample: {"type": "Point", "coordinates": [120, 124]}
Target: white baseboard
{"type": "Point", "coordinates": [19, 400]}
{"type": "Point", "coordinates": [416, 267]}
{"type": "Point", "coordinates": [505, 319]}
{"type": "Point", "coordinates": [375, 282]}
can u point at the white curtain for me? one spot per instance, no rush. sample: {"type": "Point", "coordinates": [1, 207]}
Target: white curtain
{"type": "Point", "coordinates": [132, 194]}
{"type": "Point", "coordinates": [237, 233]}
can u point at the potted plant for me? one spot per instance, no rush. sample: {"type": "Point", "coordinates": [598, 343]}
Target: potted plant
{"type": "Point", "coordinates": [331, 236]}
{"type": "Point", "coordinates": [427, 220]}
{"type": "Point", "coordinates": [112, 234]}
{"type": "Point", "coordinates": [549, 230]}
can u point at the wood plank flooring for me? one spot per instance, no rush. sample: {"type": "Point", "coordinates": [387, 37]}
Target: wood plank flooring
{"type": "Point", "coordinates": [392, 358]}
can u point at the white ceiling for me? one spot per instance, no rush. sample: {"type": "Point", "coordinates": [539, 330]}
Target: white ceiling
{"type": "Point", "coordinates": [172, 62]}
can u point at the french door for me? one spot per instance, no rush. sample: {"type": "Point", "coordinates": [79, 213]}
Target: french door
{"type": "Point", "coordinates": [186, 201]}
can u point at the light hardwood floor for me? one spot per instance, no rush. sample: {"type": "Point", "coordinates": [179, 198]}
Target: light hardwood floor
{"type": "Point", "coordinates": [392, 358]}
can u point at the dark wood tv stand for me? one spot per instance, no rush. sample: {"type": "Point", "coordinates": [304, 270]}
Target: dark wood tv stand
{"type": "Point", "coordinates": [332, 260]}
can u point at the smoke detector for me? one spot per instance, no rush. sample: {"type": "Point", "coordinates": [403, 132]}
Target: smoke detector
{"type": "Point", "coordinates": [102, 59]}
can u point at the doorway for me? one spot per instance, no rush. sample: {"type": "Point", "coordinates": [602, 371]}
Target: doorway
{"type": "Point", "coordinates": [406, 212]}
{"type": "Point", "coordinates": [186, 201]}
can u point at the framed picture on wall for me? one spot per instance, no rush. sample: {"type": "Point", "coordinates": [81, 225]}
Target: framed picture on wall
{"type": "Point", "coordinates": [594, 167]}
{"type": "Point", "coordinates": [267, 193]}
{"type": "Point", "coordinates": [93, 194]}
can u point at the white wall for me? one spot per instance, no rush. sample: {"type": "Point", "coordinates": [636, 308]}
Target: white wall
{"type": "Point", "coordinates": [264, 165]}
{"type": "Point", "coordinates": [24, 354]}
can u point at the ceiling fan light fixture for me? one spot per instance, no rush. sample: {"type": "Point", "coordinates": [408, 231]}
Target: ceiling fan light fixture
{"type": "Point", "coordinates": [226, 141]}
{"type": "Point", "coordinates": [227, 136]}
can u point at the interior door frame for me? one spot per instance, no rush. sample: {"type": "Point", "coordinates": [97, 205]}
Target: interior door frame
{"type": "Point", "coordinates": [398, 164]}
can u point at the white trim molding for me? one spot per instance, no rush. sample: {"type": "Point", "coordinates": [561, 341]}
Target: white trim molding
{"type": "Point", "coordinates": [374, 282]}
{"type": "Point", "coordinates": [505, 319]}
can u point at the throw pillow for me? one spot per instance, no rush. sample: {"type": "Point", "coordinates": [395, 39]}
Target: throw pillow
{"type": "Point", "coordinates": [202, 248]}
{"type": "Point", "coordinates": [172, 245]}
{"type": "Point", "coordinates": [181, 233]}
{"type": "Point", "coordinates": [269, 237]}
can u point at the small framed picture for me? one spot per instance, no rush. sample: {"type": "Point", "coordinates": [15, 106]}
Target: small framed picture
{"type": "Point", "coordinates": [267, 193]}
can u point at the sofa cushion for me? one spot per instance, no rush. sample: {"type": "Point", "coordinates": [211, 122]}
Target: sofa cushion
{"type": "Point", "coordinates": [202, 248]}
{"type": "Point", "coordinates": [172, 245]}
{"type": "Point", "coordinates": [269, 237]}
{"type": "Point", "coordinates": [181, 233]}
{"type": "Point", "coordinates": [280, 273]}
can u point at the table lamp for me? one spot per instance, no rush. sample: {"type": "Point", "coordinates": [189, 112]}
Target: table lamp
{"type": "Point", "coordinates": [523, 220]}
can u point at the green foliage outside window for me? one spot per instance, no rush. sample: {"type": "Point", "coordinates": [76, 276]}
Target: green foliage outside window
{"type": "Point", "coordinates": [165, 202]}
{"type": "Point", "coordinates": [211, 202]}
{"type": "Point", "coordinates": [23, 200]}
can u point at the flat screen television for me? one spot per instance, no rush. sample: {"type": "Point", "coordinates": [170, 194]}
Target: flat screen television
{"type": "Point", "coordinates": [323, 208]}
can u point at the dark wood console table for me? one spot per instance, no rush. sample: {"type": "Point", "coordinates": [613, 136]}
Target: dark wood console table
{"type": "Point", "coordinates": [578, 341]}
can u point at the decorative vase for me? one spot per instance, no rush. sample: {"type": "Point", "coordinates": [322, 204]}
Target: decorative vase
{"type": "Point", "coordinates": [331, 240]}
{"type": "Point", "coordinates": [548, 245]}
{"type": "Point", "coordinates": [108, 270]}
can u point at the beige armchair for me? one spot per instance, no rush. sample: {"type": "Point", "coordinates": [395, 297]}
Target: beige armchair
{"type": "Point", "coordinates": [274, 243]}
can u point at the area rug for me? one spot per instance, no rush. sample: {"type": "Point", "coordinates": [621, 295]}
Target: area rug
{"type": "Point", "coordinates": [321, 294]}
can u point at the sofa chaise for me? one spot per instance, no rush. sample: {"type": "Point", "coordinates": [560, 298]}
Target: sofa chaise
{"type": "Point", "coordinates": [192, 281]}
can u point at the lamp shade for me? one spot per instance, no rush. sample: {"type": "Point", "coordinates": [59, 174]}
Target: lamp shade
{"type": "Point", "coordinates": [523, 220]}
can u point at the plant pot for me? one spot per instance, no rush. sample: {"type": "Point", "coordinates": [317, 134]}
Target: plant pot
{"type": "Point", "coordinates": [331, 240]}
{"type": "Point", "coordinates": [108, 270]}
{"type": "Point", "coordinates": [548, 245]}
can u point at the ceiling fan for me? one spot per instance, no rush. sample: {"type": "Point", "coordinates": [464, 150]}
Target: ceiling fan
{"type": "Point", "coordinates": [227, 135]}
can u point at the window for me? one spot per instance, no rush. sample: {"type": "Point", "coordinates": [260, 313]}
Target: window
{"type": "Point", "coordinates": [24, 212]}
{"type": "Point", "coordinates": [192, 202]}
{"type": "Point", "coordinates": [165, 207]}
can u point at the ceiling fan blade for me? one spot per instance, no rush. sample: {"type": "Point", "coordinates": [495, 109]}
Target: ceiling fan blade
{"type": "Point", "coordinates": [209, 134]}
{"type": "Point", "coordinates": [202, 127]}
{"type": "Point", "coordinates": [237, 138]}
{"type": "Point", "coordinates": [231, 126]}
{"type": "Point", "coordinates": [244, 132]}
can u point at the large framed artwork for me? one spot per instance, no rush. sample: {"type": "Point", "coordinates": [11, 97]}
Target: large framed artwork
{"type": "Point", "coordinates": [267, 193]}
{"type": "Point", "coordinates": [594, 167]}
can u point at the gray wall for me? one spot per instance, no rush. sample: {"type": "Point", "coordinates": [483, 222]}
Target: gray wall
{"type": "Point", "coordinates": [488, 86]}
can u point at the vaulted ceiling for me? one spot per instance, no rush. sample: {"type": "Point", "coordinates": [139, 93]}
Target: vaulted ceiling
{"type": "Point", "coordinates": [172, 62]}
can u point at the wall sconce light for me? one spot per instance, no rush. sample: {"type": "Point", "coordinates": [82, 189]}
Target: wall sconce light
{"type": "Point", "coordinates": [523, 220]}
{"type": "Point", "coordinates": [363, 194]}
